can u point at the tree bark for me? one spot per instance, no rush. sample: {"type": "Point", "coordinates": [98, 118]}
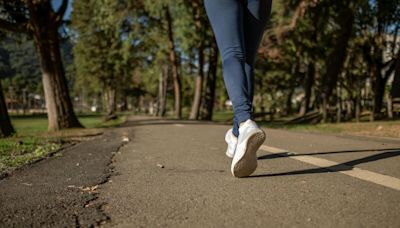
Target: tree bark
{"type": "Point", "coordinates": [174, 62]}
{"type": "Point", "coordinates": [45, 34]}
{"type": "Point", "coordinates": [6, 128]}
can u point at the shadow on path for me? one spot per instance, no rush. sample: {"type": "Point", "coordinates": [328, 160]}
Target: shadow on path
{"type": "Point", "coordinates": [292, 154]}
{"type": "Point", "coordinates": [336, 168]}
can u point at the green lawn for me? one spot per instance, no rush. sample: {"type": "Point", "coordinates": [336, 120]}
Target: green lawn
{"type": "Point", "coordinates": [38, 124]}
{"type": "Point", "coordinates": [32, 141]}
{"type": "Point", "coordinates": [385, 128]}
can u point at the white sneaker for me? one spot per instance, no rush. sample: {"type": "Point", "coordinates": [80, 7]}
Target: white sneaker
{"type": "Point", "coordinates": [231, 140]}
{"type": "Point", "coordinates": [251, 137]}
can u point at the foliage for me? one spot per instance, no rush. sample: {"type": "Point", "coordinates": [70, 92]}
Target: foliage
{"type": "Point", "coordinates": [124, 45]}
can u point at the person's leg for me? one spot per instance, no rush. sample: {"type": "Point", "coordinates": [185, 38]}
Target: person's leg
{"type": "Point", "coordinates": [256, 14]}
{"type": "Point", "coordinates": [226, 18]}
{"type": "Point", "coordinates": [255, 17]}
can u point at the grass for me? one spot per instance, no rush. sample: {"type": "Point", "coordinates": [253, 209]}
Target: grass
{"type": "Point", "coordinates": [15, 152]}
{"type": "Point", "coordinates": [222, 116]}
{"type": "Point", "coordinates": [33, 142]}
{"type": "Point", "coordinates": [27, 125]}
{"type": "Point", "coordinates": [365, 128]}
{"type": "Point", "coordinates": [378, 128]}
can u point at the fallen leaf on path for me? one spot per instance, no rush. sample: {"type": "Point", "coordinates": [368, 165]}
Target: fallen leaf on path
{"type": "Point", "coordinates": [125, 139]}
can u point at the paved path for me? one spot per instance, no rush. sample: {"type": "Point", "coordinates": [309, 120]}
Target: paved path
{"type": "Point", "coordinates": [175, 174]}
{"type": "Point", "coordinates": [195, 188]}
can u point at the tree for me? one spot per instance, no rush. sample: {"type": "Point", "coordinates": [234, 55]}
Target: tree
{"type": "Point", "coordinates": [199, 19]}
{"type": "Point", "coordinates": [337, 57]}
{"type": "Point", "coordinates": [26, 77]}
{"type": "Point", "coordinates": [162, 12]}
{"type": "Point", "coordinates": [41, 22]}
{"type": "Point", "coordinates": [386, 15]}
{"type": "Point", "coordinates": [6, 128]}
{"type": "Point", "coordinates": [173, 57]}
{"type": "Point", "coordinates": [211, 82]}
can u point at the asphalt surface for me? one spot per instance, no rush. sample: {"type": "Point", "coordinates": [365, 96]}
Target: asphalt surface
{"type": "Point", "coordinates": [167, 173]}
{"type": "Point", "coordinates": [60, 191]}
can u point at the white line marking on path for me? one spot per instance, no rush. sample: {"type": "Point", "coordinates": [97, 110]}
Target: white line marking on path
{"type": "Point", "coordinates": [179, 125]}
{"type": "Point", "coordinates": [384, 180]}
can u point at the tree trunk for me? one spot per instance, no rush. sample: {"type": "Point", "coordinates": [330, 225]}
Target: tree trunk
{"type": "Point", "coordinates": [380, 83]}
{"type": "Point", "coordinates": [194, 113]}
{"type": "Point", "coordinates": [336, 59]}
{"type": "Point", "coordinates": [199, 28]}
{"type": "Point", "coordinates": [379, 91]}
{"type": "Point", "coordinates": [339, 105]}
{"type": "Point", "coordinates": [111, 104]}
{"type": "Point", "coordinates": [58, 102]}
{"type": "Point", "coordinates": [308, 84]}
{"type": "Point", "coordinates": [211, 82]}
{"type": "Point", "coordinates": [174, 62]}
{"type": "Point", "coordinates": [310, 75]}
{"type": "Point", "coordinates": [395, 91]}
{"type": "Point", "coordinates": [295, 71]}
{"type": "Point", "coordinates": [6, 128]}
{"type": "Point", "coordinates": [162, 92]}
{"type": "Point", "coordinates": [288, 109]}
{"type": "Point", "coordinates": [358, 106]}
{"type": "Point", "coordinates": [378, 63]}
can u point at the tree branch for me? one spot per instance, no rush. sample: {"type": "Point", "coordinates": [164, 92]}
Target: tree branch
{"type": "Point", "coordinates": [13, 27]}
{"type": "Point", "coordinates": [58, 16]}
{"type": "Point", "coordinates": [299, 12]}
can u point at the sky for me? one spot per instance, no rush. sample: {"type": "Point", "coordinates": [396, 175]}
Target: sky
{"type": "Point", "coordinates": [57, 3]}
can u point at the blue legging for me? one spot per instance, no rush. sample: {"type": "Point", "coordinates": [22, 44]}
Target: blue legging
{"type": "Point", "coordinates": [238, 26]}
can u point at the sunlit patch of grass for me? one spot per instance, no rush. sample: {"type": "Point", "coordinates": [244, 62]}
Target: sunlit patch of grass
{"type": "Point", "coordinates": [16, 152]}
{"type": "Point", "coordinates": [32, 140]}
{"type": "Point", "coordinates": [98, 122]}
{"type": "Point", "coordinates": [28, 125]}
{"type": "Point", "coordinates": [377, 128]}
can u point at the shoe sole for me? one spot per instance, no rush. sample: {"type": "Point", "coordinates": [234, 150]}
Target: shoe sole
{"type": "Point", "coordinates": [229, 155]}
{"type": "Point", "coordinates": [247, 164]}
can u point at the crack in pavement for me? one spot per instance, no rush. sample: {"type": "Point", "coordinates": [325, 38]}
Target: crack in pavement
{"type": "Point", "coordinates": [47, 201]}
